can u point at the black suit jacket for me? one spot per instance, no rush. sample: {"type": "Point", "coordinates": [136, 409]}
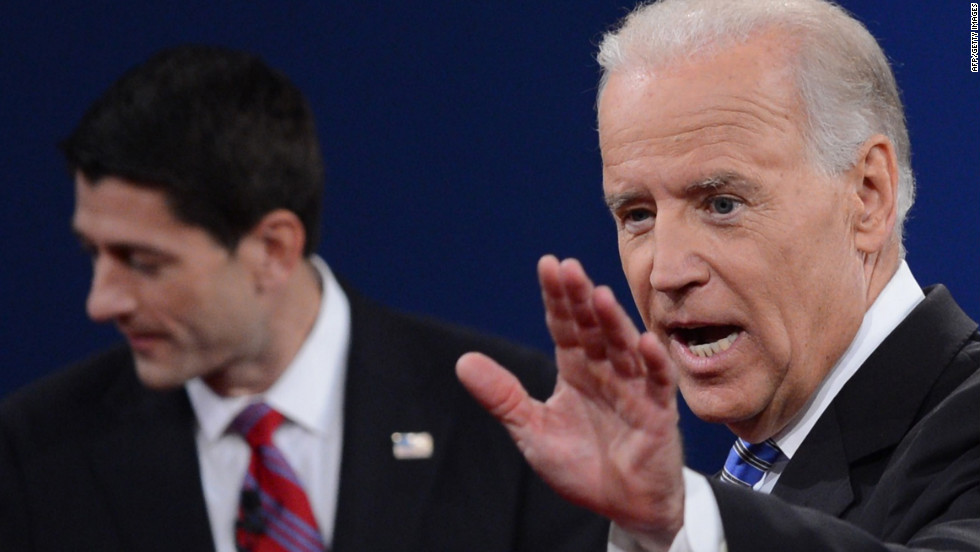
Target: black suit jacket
{"type": "Point", "coordinates": [894, 462]}
{"type": "Point", "coordinates": [91, 460]}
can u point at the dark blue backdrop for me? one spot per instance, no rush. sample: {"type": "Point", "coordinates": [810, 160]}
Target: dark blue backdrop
{"type": "Point", "coordinates": [460, 144]}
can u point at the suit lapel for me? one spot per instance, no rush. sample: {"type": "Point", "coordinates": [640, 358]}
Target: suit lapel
{"type": "Point", "coordinates": [875, 409]}
{"type": "Point", "coordinates": [146, 460]}
{"type": "Point", "coordinates": [819, 474]}
{"type": "Point", "coordinates": [382, 499]}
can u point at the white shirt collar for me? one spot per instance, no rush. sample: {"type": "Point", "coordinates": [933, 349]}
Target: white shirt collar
{"type": "Point", "coordinates": [311, 387]}
{"type": "Point", "coordinates": [894, 303]}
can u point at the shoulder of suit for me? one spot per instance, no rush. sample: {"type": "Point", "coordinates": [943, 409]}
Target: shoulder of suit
{"type": "Point", "coordinates": [76, 384]}
{"type": "Point", "coordinates": [375, 325]}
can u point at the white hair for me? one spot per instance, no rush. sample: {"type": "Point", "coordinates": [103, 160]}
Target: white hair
{"type": "Point", "coordinates": [843, 77]}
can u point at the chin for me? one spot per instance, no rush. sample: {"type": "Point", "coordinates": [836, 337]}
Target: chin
{"type": "Point", "coordinates": [718, 406]}
{"type": "Point", "coordinates": [153, 375]}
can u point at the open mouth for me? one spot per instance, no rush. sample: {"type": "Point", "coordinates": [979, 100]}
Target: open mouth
{"type": "Point", "coordinates": [707, 341]}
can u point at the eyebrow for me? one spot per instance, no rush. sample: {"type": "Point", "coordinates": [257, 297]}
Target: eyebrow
{"type": "Point", "coordinates": [719, 181]}
{"type": "Point", "coordinates": [130, 247]}
{"type": "Point", "coordinates": [700, 187]}
{"type": "Point", "coordinates": [616, 202]}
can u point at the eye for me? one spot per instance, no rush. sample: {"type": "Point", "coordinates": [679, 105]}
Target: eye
{"type": "Point", "coordinates": [141, 262]}
{"type": "Point", "coordinates": [143, 266]}
{"type": "Point", "coordinates": [637, 220]}
{"type": "Point", "coordinates": [637, 215]}
{"type": "Point", "coordinates": [723, 205]}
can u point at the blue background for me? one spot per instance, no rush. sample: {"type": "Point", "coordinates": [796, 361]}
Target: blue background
{"type": "Point", "coordinates": [459, 141]}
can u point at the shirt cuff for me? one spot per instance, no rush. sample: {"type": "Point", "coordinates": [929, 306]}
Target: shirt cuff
{"type": "Point", "coordinates": [702, 530]}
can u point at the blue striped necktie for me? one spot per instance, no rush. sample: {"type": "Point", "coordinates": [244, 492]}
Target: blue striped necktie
{"type": "Point", "coordinates": [748, 462]}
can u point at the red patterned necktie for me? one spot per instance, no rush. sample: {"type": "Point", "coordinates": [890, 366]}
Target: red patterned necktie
{"type": "Point", "coordinates": [274, 514]}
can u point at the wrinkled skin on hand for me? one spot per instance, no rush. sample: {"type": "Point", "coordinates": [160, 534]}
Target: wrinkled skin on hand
{"type": "Point", "coordinates": [607, 438]}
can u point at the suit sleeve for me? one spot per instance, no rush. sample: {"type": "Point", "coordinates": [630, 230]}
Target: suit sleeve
{"type": "Point", "coordinates": [928, 498]}
{"type": "Point", "coordinates": [753, 521]}
{"type": "Point", "coordinates": [13, 511]}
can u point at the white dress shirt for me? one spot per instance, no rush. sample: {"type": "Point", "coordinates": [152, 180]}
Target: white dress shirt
{"type": "Point", "coordinates": [309, 394]}
{"type": "Point", "coordinates": [702, 530]}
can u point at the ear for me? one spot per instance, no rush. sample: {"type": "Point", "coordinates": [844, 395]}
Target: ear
{"type": "Point", "coordinates": [876, 190]}
{"type": "Point", "coordinates": [274, 248]}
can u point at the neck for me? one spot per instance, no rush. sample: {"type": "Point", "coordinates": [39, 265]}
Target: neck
{"type": "Point", "coordinates": [294, 311]}
{"type": "Point", "coordinates": [878, 271]}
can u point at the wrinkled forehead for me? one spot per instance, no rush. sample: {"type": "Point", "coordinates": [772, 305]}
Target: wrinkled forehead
{"type": "Point", "coordinates": [742, 94]}
{"type": "Point", "coordinates": [721, 63]}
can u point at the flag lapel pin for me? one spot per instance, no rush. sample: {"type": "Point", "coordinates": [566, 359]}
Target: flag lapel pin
{"type": "Point", "coordinates": [411, 445]}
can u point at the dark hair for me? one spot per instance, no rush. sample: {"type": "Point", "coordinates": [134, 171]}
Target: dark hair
{"type": "Point", "coordinates": [224, 136]}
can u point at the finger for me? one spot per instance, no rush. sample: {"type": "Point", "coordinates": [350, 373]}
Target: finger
{"type": "Point", "coordinates": [497, 390]}
{"type": "Point", "coordinates": [620, 334]}
{"type": "Point", "coordinates": [579, 290]}
{"type": "Point", "coordinates": [558, 315]}
{"type": "Point", "coordinates": [661, 371]}
{"type": "Point", "coordinates": [576, 334]}
{"type": "Point", "coordinates": [576, 283]}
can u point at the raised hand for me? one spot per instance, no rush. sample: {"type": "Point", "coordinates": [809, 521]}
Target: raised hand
{"type": "Point", "coordinates": [607, 438]}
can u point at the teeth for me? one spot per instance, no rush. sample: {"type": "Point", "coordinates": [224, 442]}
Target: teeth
{"type": "Point", "coordinates": [706, 350]}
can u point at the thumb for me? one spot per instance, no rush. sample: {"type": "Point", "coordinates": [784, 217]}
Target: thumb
{"type": "Point", "coordinates": [498, 391]}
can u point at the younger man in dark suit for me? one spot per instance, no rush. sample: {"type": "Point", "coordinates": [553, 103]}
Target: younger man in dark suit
{"type": "Point", "coordinates": [198, 183]}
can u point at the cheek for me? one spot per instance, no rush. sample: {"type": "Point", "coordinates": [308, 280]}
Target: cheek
{"type": "Point", "coordinates": [820, 281]}
{"type": "Point", "coordinates": [207, 309]}
{"type": "Point", "coordinates": [174, 305]}
{"type": "Point", "coordinates": [773, 331]}
{"type": "Point", "coordinates": [637, 267]}
{"type": "Point", "coordinates": [242, 313]}
{"type": "Point", "coordinates": [788, 324]}
{"type": "Point", "coordinates": [230, 304]}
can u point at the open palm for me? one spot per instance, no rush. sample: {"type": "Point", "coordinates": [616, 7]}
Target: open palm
{"type": "Point", "coordinates": [607, 438]}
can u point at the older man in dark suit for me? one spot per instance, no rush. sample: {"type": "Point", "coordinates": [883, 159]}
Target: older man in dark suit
{"type": "Point", "coordinates": [756, 161]}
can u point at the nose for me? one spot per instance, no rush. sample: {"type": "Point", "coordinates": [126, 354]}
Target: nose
{"type": "Point", "coordinates": [110, 296]}
{"type": "Point", "coordinates": [678, 264]}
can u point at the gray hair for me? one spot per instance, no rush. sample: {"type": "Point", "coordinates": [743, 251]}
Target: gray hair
{"type": "Point", "coordinates": [844, 79]}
